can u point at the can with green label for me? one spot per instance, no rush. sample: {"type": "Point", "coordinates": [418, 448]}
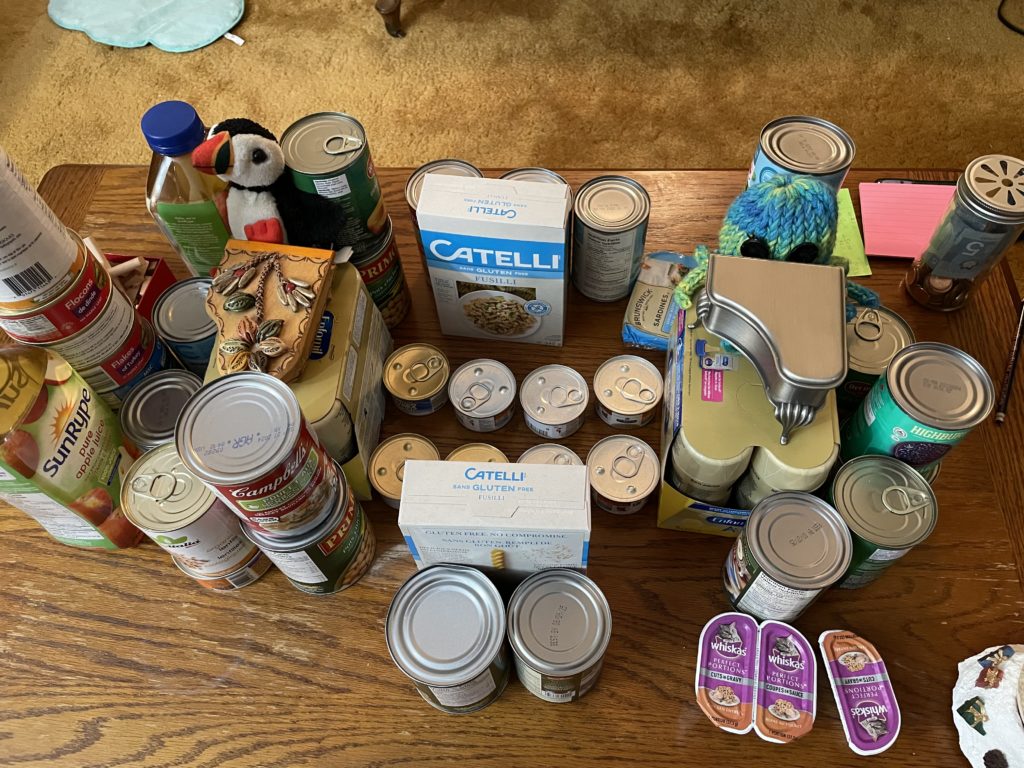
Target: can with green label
{"type": "Point", "coordinates": [873, 337]}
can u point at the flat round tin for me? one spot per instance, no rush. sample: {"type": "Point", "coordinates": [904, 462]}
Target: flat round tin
{"type": "Point", "coordinates": [807, 145]}
{"type": "Point", "coordinates": [324, 142]}
{"type": "Point", "coordinates": [477, 452]}
{"type": "Point", "coordinates": [628, 384]}
{"type": "Point", "coordinates": [159, 493]}
{"type": "Point", "coordinates": [623, 468]}
{"type": "Point", "coordinates": [416, 371]}
{"type": "Point", "coordinates": [873, 337]}
{"type": "Point", "coordinates": [940, 386]}
{"type": "Point", "coordinates": [554, 394]}
{"type": "Point", "coordinates": [180, 312]}
{"type": "Point", "coordinates": [447, 167]}
{"type": "Point", "coordinates": [550, 453]}
{"type": "Point", "coordinates": [387, 464]}
{"type": "Point", "coordinates": [482, 388]}
{"type": "Point", "coordinates": [150, 412]}
{"type": "Point", "coordinates": [612, 204]}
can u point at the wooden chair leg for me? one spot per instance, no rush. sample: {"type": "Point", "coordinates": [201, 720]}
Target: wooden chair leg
{"type": "Point", "coordinates": [391, 10]}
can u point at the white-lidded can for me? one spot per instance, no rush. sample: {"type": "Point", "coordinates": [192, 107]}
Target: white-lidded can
{"type": "Point", "coordinates": [483, 394]}
{"type": "Point", "coordinates": [623, 473]}
{"type": "Point", "coordinates": [554, 399]}
{"type": "Point", "coordinates": [768, 474]}
{"type": "Point", "coordinates": [387, 463]}
{"type": "Point", "coordinates": [416, 377]}
{"type": "Point", "coordinates": [550, 453]}
{"type": "Point", "coordinates": [701, 477]}
{"type": "Point", "coordinates": [628, 389]}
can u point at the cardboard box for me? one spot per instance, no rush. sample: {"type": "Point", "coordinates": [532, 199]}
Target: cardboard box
{"type": "Point", "coordinates": [496, 256]}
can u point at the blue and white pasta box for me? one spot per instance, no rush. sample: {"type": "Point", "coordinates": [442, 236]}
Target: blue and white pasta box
{"type": "Point", "coordinates": [519, 518]}
{"type": "Point", "coordinates": [496, 256]}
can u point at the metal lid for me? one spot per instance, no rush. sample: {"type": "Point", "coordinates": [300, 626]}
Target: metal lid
{"type": "Point", "coordinates": [387, 464]}
{"type": "Point", "coordinates": [180, 312]}
{"type": "Point", "coordinates": [159, 494]}
{"type": "Point", "coordinates": [885, 501]}
{"type": "Point", "coordinates": [874, 336]}
{"type": "Point", "coordinates": [995, 185]}
{"type": "Point", "coordinates": [151, 410]}
{"type": "Point", "coordinates": [807, 144]}
{"type": "Point", "coordinates": [623, 468]}
{"type": "Point", "coordinates": [612, 204]}
{"type": "Point", "coordinates": [416, 372]}
{"type": "Point", "coordinates": [799, 540]}
{"type": "Point", "coordinates": [538, 175]}
{"type": "Point", "coordinates": [446, 167]}
{"type": "Point", "coordinates": [482, 388]}
{"type": "Point", "coordinates": [445, 625]}
{"type": "Point", "coordinates": [550, 453]}
{"type": "Point", "coordinates": [477, 452]}
{"type": "Point", "coordinates": [554, 394]}
{"type": "Point", "coordinates": [282, 541]}
{"type": "Point", "coordinates": [628, 384]}
{"type": "Point", "coordinates": [940, 386]}
{"type": "Point", "coordinates": [559, 622]}
{"type": "Point", "coordinates": [322, 143]}
{"type": "Point", "coordinates": [237, 428]}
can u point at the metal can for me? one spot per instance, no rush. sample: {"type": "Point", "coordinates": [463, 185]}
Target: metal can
{"type": "Point", "coordinates": [798, 145]}
{"type": "Point", "coordinates": [559, 627]}
{"type": "Point", "coordinates": [381, 270]}
{"type": "Point", "coordinates": [447, 167]}
{"type": "Point", "coordinates": [628, 390]}
{"type": "Point", "coordinates": [873, 337]}
{"type": "Point", "coordinates": [984, 218]}
{"type": "Point", "coordinates": [793, 547]}
{"type": "Point", "coordinates": [931, 472]}
{"type": "Point", "coordinates": [243, 577]}
{"type": "Point", "coordinates": [702, 477]}
{"type": "Point", "coordinates": [554, 399]}
{"type": "Point", "coordinates": [930, 397]}
{"type": "Point", "coordinates": [769, 474]}
{"type": "Point", "coordinates": [328, 155]}
{"type": "Point", "coordinates": [387, 463]}
{"type": "Point", "coordinates": [623, 472]}
{"type": "Point", "coordinates": [138, 359]}
{"type": "Point", "coordinates": [550, 453]}
{"type": "Point", "coordinates": [181, 320]}
{"type": "Point", "coordinates": [245, 436]}
{"type": "Point", "coordinates": [888, 507]}
{"type": "Point", "coordinates": [483, 394]}
{"type": "Point", "coordinates": [534, 174]}
{"type": "Point", "coordinates": [477, 452]}
{"type": "Point", "coordinates": [416, 376]}
{"type": "Point", "coordinates": [151, 410]}
{"type": "Point", "coordinates": [609, 233]}
{"type": "Point", "coordinates": [464, 667]}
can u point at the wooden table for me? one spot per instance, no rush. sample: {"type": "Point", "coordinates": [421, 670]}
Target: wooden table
{"type": "Point", "coordinates": [116, 659]}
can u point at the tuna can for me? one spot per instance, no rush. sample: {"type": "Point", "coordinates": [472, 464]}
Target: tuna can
{"type": "Point", "coordinates": [477, 452]}
{"type": "Point", "coordinates": [179, 513]}
{"type": "Point", "coordinates": [416, 376]}
{"type": "Point", "coordinates": [793, 547]}
{"type": "Point", "coordinates": [889, 509]}
{"type": "Point", "coordinates": [445, 631]}
{"type": "Point", "coordinates": [135, 362]}
{"type": "Point", "coordinates": [415, 184]}
{"type": "Point", "coordinates": [243, 577]}
{"type": "Point", "coordinates": [245, 436]}
{"type": "Point", "coordinates": [930, 397]}
{"type": "Point", "coordinates": [628, 390]}
{"type": "Point", "coordinates": [181, 320]}
{"type": "Point", "coordinates": [554, 400]}
{"type": "Point", "coordinates": [381, 270]}
{"type": "Point", "coordinates": [768, 474]}
{"type": "Point", "coordinates": [151, 410]}
{"type": "Point", "coordinates": [559, 626]}
{"type": "Point", "coordinates": [534, 174]}
{"type": "Point", "coordinates": [483, 394]}
{"type": "Point", "coordinates": [873, 337]}
{"type": "Point", "coordinates": [387, 464]}
{"type": "Point", "coordinates": [701, 477]}
{"type": "Point", "coordinates": [623, 472]}
{"type": "Point", "coordinates": [803, 146]}
{"type": "Point", "coordinates": [550, 453]}
{"type": "Point", "coordinates": [609, 232]}
{"type": "Point", "coordinates": [328, 155]}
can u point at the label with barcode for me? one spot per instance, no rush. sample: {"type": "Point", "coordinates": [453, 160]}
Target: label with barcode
{"type": "Point", "coordinates": [28, 281]}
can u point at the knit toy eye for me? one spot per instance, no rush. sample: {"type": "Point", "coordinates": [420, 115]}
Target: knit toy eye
{"type": "Point", "coordinates": [259, 156]}
{"type": "Point", "coordinates": [805, 253]}
{"type": "Point", "coordinates": [755, 248]}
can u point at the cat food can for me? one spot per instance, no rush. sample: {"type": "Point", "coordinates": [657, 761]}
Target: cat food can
{"type": "Point", "coordinates": [415, 184]}
{"type": "Point", "coordinates": [387, 464]}
{"type": "Point", "coordinates": [769, 474]}
{"type": "Point", "coordinates": [416, 377]}
{"type": "Point", "coordinates": [793, 547]}
{"type": "Point", "coordinates": [609, 232]}
{"type": "Point", "coordinates": [623, 472]}
{"type": "Point", "coordinates": [550, 453]}
{"type": "Point", "coordinates": [554, 399]}
{"type": "Point", "coordinates": [464, 667]}
{"type": "Point", "coordinates": [559, 626]}
{"type": "Point", "coordinates": [798, 145]}
{"type": "Point", "coordinates": [929, 399]}
{"type": "Point", "coordinates": [873, 337]}
{"type": "Point", "coordinates": [483, 394]}
{"type": "Point", "coordinates": [181, 320]}
{"type": "Point", "coordinates": [381, 270]}
{"type": "Point", "coordinates": [245, 436]}
{"type": "Point", "coordinates": [480, 452]}
{"type": "Point", "coordinates": [328, 155]}
{"type": "Point", "coordinates": [889, 509]}
{"type": "Point", "coordinates": [703, 477]}
{"type": "Point", "coordinates": [151, 410]}
{"type": "Point", "coordinates": [628, 391]}
{"type": "Point", "coordinates": [250, 572]}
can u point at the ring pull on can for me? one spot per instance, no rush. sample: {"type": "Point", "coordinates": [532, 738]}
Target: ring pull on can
{"type": "Point", "coordinates": [868, 326]}
{"type": "Point", "coordinates": [424, 371]}
{"type": "Point", "coordinates": [628, 464]}
{"type": "Point", "coordinates": [348, 144]}
{"type": "Point", "coordinates": [563, 397]}
{"type": "Point", "coordinates": [636, 391]}
{"type": "Point", "coordinates": [476, 395]}
{"type": "Point", "coordinates": [902, 500]}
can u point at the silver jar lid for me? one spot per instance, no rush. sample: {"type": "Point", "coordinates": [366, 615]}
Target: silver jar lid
{"type": "Point", "coordinates": [807, 145]}
{"type": "Point", "coordinates": [940, 386]}
{"type": "Point", "coordinates": [554, 394]}
{"type": "Point", "coordinates": [994, 186]}
{"type": "Point", "coordinates": [612, 204]}
{"type": "Point", "coordinates": [447, 167]}
{"type": "Point", "coordinates": [150, 412]}
{"type": "Point", "coordinates": [180, 312]}
{"type": "Point", "coordinates": [550, 453]}
{"type": "Point", "coordinates": [482, 388]}
{"type": "Point", "coordinates": [623, 468]}
{"type": "Point", "coordinates": [628, 384]}
{"type": "Point", "coordinates": [873, 337]}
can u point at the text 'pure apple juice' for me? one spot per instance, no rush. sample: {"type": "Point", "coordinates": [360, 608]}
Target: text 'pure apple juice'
{"type": "Point", "coordinates": [61, 452]}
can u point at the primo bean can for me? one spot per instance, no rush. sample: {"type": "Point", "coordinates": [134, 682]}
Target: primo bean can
{"type": "Point", "coordinates": [381, 270]}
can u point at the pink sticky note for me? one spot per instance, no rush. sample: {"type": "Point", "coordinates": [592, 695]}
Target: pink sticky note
{"type": "Point", "coordinates": [899, 219]}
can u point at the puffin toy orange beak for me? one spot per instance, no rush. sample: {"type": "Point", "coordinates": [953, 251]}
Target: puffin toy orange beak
{"type": "Point", "coordinates": [215, 155]}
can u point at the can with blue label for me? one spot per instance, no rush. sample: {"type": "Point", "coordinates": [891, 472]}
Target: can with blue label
{"type": "Point", "coordinates": [798, 145]}
{"type": "Point", "coordinates": [181, 320]}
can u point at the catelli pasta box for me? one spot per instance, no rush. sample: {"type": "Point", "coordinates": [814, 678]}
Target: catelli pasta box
{"type": "Point", "coordinates": [497, 257]}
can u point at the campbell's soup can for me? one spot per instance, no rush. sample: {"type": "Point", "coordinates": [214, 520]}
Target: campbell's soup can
{"type": "Point", "coordinates": [382, 273]}
{"type": "Point", "coordinates": [181, 321]}
{"type": "Point", "coordinates": [245, 436]}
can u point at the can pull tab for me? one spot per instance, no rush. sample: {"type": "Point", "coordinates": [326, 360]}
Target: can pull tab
{"type": "Point", "coordinates": [635, 390]}
{"type": "Point", "coordinates": [159, 487]}
{"type": "Point", "coordinates": [422, 371]}
{"type": "Point", "coordinates": [901, 500]}
{"type": "Point", "coordinates": [627, 465]}
{"type": "Point", "coordinates": [563, 397]}
{"type": "Point", "coordinates": [342, 144]}
{"type": "Point", "coordinates": [869, 325]}
{"type": "Point", "coordinates": [476, 395]}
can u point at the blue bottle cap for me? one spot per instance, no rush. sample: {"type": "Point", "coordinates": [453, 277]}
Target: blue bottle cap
{"type": "Point", "coordinates": [172, 128]}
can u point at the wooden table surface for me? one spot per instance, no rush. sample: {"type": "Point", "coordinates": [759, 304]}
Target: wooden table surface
{"type": "Point", "coordinates": [112, 659]}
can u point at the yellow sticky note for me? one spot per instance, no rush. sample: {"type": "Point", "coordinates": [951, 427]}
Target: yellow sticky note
{"type": "Point", "coordinates": [849, 243]}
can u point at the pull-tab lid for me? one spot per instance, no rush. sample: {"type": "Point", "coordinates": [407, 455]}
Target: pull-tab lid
{"type": "Point", "coordinates": [322, 143]}
{"type": "Point", "coordinates": [873, 337]}
{"type": "Point", "coordinates": [623, 468]}
{"type": "Point", "coordinates": [482, 388]}
{"type": "Point", "coordinates": [995, 184]}
{"type": "Point", "coordinates": [477, 452]}
{"type": "Point", "coordinates": [550, 453]}
{"type": "Point", "coordinates": [554, 394]}
{"type": "Point", "coordinates": [160, 494]}
{"type": "Point", "coordinates": [387, 464]}
{"type": "Point", "coordinates": [628, 384]}
{"type": "Point", "coordinates": [416, 372]}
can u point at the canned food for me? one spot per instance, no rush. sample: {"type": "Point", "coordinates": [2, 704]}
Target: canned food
{"type": "Point", "coordinates": [931, 472]}
{"type": "Point", "coordinates": [477, 452]}
{"type": "Point", "coordinates": [328, 155]}
{"type": "Point", "coordinates": [554, 400]}
{"type": "Point", "coordinates": [464, 667]}
{"type": "Point", "coordinates": [549, 453]}
{"type": "Point", "coordinates": [793, 547]}
{"type": "Point", "coordinates": [416, 376]}
{"type": "Point", "coordinates": [387, 464]}
{"type": "Point", "coordinates": [534, 174]}
{"type": "Point", "coordinates": [245, 436]}
{"type": "Point", "coordinates": [889, 509]}
{"type": "Point", "coordinates": [181, 320]}
{"type": "Point", "coordinates": [151, 410]}
{"type": "Point", "coordinates": [628, 390]}
{"type": "Point", "coordinates": [623, 473]}
{"type": "Point", "coordinates": [483, 394]}
{"type": "Point", "coordinates": [140, 360]}
{"type": "Point", "coordinates": [769, 474]}
{"type": "Point", "coordinates": [931, 396]}
{"type": "Point", "coordinates": [243, 577]}
{"type": "Point", "coordinates": [559, 626]}
{"type": "Point", "coordinates": [415, 184]}
{"type": "Point", "coordinates": [798, 145]}
{"type": "Point", "coordinates": [608, 236]}
{"type": "Point", "coordinates": [179, 513]}
{"type": "Point", "coordinates": [702, 477]}
{"type": "Point", "coordinates": [873, 337]}
{"type": "Point", "coordinates": [381, 270]}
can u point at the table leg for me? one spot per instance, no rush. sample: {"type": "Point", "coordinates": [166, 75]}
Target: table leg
{"type": "Point", "coordinates": [391, 10]}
